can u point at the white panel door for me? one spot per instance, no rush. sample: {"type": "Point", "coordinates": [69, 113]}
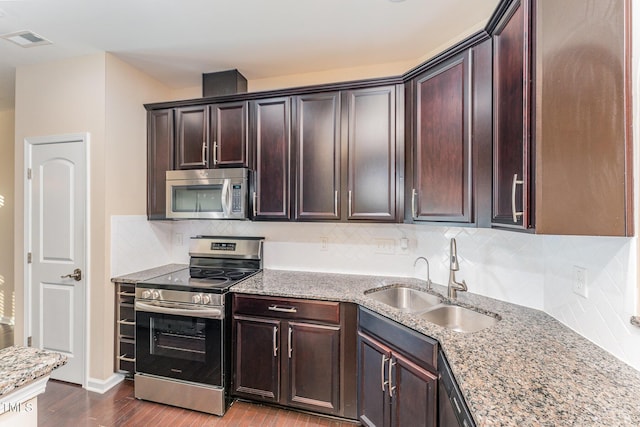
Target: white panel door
{"type": "Point", "coordinates": [56, 238]}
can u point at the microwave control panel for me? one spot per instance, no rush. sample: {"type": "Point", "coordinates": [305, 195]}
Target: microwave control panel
{"type": "Point", "coordinates": [236, 198]}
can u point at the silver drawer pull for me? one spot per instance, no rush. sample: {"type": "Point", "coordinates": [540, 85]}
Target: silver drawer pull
{"type": "Point", "coordinates": [127, 322]}
{"type": "Point", "coordinates": [283, 309]}
{"type": "Point", "coordinates": [126, 359]}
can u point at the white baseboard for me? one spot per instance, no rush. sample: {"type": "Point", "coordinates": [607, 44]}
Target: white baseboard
{"type": "Point", "coordinates": [101, 386]}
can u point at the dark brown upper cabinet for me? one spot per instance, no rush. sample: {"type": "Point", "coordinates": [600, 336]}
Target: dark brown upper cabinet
{"type": "Point", "coordinates": [442, 161]}
{"type": "Point", "coordinates": [373, 156]}
{"type": "Point", "coordinates": [317, 145]}
{"type": "Point", "coordinates": [562, 144]}
{"type": "Point", "coordinates": [271, 136]}
{"type": "Point", "coordinates": [347, 156]}
{"type": "Point", "coordinates": [210, 136]}
{"type": "Point", "coordinates": [229, 134]}
{"type": "Point", "coordinates": [192, 137]}
{"type": "Point", "coordinates": [450, 140]}
{"type": "Point", "coordinates": [159, 160]}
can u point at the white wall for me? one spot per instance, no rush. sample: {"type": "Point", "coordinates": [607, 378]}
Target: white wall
{"type": "Point", "coordinates": [530, 270]}
{"type": "Point", "coordinates": [6, 216]}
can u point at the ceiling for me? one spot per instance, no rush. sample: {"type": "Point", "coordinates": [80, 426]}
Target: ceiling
{"type": "Point", "coordinates": [176, 41]}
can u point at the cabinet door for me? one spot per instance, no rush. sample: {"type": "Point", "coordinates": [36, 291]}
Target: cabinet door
{"type": "Point", "coordinates": [511, 144]}
{"type": "Point", "coordinates": [413, 392]}
{"type": "Point", "coordinates": [371, 187]}
{"type": "Point", "coordinates": [442, 150]}
{"type": "Point", "coordinates": [160, 139]}
{"type": "Point", "coordinates": [229, 138]}
{"type": "Point", "coordinates": [313, 361]}
{"type": "Point", "coordinates": [271, 132]}
{"type": "Point", "coordinates": [317, 143]}
{"type": "Point", "coordinates": [257, 355]}
{"type": "Point", "coordinates": [373, 400]}
{"type": "Point", "coordinates": [192, 139]}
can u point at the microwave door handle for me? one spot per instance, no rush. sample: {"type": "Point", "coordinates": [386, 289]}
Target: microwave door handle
{"type": "Point", "coordinates": [226, 196]}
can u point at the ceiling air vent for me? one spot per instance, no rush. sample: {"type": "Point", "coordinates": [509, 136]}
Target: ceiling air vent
{"type": "Point", "coordinates": [26, 39]}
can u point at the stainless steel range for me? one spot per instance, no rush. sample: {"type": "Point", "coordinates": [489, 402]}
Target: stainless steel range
{"type": "Point", "coordinates": [183, 328]}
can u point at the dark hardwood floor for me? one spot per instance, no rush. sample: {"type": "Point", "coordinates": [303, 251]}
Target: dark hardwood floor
{"type": "Point", "coordinates": [64, 404]}
{"type": "Point", "coordinates": [6, 335]}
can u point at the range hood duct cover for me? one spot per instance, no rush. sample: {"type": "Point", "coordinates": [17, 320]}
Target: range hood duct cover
{"type": "Point", "coordinates": [221, 83]}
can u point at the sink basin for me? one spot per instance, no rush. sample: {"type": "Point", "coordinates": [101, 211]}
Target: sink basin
{"type": "Point", "coordinates": [408, 300]}
{"type": "Point", "coordinates": [458, 318]}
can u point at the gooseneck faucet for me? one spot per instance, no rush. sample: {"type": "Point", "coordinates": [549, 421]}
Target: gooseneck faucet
{"type": "Point", "coordinates": [453, 287]}
{"type": "Point", "coordinates": [428, 273]}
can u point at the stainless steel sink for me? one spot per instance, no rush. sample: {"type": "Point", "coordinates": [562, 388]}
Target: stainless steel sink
{"type": "Point", "coordinates": [458, 318]}
{"type": "Point", "coordinates": [406, 299]}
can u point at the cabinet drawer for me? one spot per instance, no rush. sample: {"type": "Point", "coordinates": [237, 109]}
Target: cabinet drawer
{"type": "Point", "coordinates": [418, 348]}
{"type": "Point", "coordinates": [287, 308]}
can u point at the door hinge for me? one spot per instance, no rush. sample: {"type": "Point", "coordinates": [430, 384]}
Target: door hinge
{"type": "Point", "coordinates": [28, 257]}
{"type": "Point", "coordinates": [29, 173]}
{"type": "Point", "coordinates": [29, 341]}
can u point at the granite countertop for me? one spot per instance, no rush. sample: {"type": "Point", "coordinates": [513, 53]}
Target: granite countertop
{"type": "Point", "coordinates": [526, 370]}
{"type": "Point", "coordinates": [143, 275]}
{"type": "Point", "coordinates": [21, 365]}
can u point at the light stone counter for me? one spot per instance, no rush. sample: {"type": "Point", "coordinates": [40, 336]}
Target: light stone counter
{"type": "Point", "coordinates": [24, 372]}
{"type": "Point", "coordinates": [141, 276]}
{"type": "Point", "coordinates": [527, 370]}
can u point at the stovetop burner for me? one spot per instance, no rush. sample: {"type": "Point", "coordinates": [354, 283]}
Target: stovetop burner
{"type": "Point", "coordinates": [216, 264]}
{"type": "Point", "coordinates": [205, 281]}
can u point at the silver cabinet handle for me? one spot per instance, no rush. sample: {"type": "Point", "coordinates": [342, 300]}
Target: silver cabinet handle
{"type": "Point", "coordinates": [204, 153]}
{"type": "Point", "coordinates": [126, 359]}
{"type": "Point", "coordinates": [382, 381]}
{"type": "Point", "coordinates": [515, 182]}
{"type": "Point", "coordinates": [391, 365]}
{"type": "Point", "coordinates": [255, 202]}
{"type": "Point", "coordinates": [282, 309]}
{"type": "Point", "coordinates": [455, 402]}
{"type": "Point", "coordinates": [76, 275]}
{"type": "Point", "coordinates": [414, 214]}
{"type": "Point", "coordinates": [275, 341]}
{"type": "Point", "coordinates": [215, 153]}
{"type": "Point", "coordinates": [335, 203]}
{"type": "Point", "coordinates": [289, 341]}
{"type": "Point", "coordinates": [350, 200]}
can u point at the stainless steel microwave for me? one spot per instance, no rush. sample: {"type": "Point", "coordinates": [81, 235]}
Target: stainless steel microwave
{"type": "Point", "coordinates": [208, 194]}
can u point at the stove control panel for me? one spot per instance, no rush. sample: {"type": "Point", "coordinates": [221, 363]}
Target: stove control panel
{"type": "Point", "coordinates": [166, 295]}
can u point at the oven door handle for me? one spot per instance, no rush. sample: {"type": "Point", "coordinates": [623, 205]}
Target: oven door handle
{"type": "Point", "coordinates": [207, 313]}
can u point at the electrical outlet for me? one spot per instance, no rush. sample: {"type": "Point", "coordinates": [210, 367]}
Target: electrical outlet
{"type": "Point", "coordinates": [385, 246]}
{"type": "Point", "coordinates": [580, 281]}
{"type": "Point", "coordinates": [324, 243]}
{"type": "Point", "coordinates": [178, 239]}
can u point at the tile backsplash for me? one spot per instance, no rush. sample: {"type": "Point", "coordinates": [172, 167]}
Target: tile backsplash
{"type": "Point", "coordinates": [530, 270]}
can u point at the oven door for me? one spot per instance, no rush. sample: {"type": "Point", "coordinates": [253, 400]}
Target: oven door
{"type": "Point", "coordinates": [176, 341]}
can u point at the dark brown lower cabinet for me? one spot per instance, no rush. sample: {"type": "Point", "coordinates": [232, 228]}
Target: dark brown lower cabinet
{"type": "Point", "coordinates": [313, 360]}
{"type": "Point", "coordinates": [395, 388]}
{"type": "Point", "coordinates": [257, 367]}
{"type": "Point", "coordinates": [297, 353]}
